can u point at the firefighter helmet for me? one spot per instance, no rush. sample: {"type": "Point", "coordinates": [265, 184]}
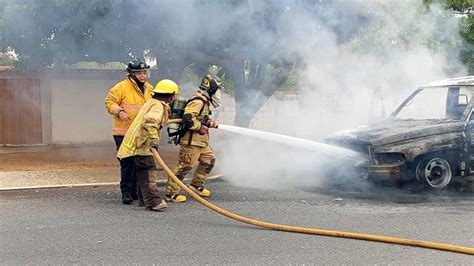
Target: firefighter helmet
{"type": "Point", "coordinates": [211, 84]}
{"type": "Point", "coordinates": [136, 65]}
{"type": "Point", "coordinates": [166, 86]}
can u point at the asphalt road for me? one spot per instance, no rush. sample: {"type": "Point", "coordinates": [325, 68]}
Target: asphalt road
{"type": "Point", "coordinates": [91, 226]}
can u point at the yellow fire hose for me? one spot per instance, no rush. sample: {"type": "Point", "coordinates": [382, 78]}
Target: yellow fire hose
{"type": "Point", "coordinates": [304, 230]}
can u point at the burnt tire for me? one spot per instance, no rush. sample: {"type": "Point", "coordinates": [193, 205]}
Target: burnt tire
{"type": "Point", "coordinates": [436, 171]}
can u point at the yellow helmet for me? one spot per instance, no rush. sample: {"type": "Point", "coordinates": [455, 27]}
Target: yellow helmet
{"type": "Point", "coordinates": [166, 86]}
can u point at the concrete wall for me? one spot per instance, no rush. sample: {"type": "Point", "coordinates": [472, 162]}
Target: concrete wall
{"type": "Point", "coordinates": [78, 112]}
{"type": "Point", "coordinates": [284, 110]}
{"type": "Point", "coordinates": [226, 113]}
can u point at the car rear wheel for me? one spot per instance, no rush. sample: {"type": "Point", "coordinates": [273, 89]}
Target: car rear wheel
{"type": "Point", "coordinates": [435, 172]}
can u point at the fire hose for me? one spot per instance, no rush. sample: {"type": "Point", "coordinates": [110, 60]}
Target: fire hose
{"type": "Point", "coordinates": [305, 230]}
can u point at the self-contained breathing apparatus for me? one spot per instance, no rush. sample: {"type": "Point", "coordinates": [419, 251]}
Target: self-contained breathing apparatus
{"type": "Point", "coordinates": [210, 85]}
{"type": "Point", "coordinates": [177, 112]}
{"type": "Point", "coordinates": [177, 131]}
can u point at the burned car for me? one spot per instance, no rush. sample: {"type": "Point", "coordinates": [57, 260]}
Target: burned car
{"type": "Point", "coordinates": [427, 140]}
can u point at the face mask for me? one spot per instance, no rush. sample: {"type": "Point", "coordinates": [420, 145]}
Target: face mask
{"type": "Point", "coordinates": [216, 100]}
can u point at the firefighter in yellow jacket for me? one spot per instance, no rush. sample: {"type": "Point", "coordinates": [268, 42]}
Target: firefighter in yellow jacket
{"type": "Point", "coordinates": [195, 142]}
{"type": "Point", "coordinates": [143, 134]}
{"type": "Point", "coordinates": [123, 102]}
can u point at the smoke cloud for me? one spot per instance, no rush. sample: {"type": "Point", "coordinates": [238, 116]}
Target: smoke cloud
{"type": "Point", "coordinates": [392, 47]}
{"type": "Point", "coordinates": [399, 47]}
{"type": "Point", "coordinates": [342, 50]}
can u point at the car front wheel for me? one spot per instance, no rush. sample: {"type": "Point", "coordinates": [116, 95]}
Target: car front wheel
{"type": "Point", "coordinates": [435, 171]}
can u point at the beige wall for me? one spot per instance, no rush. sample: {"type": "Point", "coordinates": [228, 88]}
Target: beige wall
{"type": "Point", "coordinates": [298, 115]}
{"type": "Point", "coordinates": [77, 111]}
{"type": "Point", "coordinates": [78, 114]}
{"type": "Point", "coordinates": [226, 113]}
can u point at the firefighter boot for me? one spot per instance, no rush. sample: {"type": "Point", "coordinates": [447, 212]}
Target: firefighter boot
{"type": "Point", "coordinates": [159, 207]}
{"type": "Point", "coordinates": [176, 198]}
{"type": "Point", "coordinates": [200, 190]}
{"type": "Point", "coordinates": [127, 199]}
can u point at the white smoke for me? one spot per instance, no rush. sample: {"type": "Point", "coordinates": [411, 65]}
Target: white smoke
{"type": "Point", "coordinates": [400, 45]}
{"type": "Point", "coordinates": [292, 161]}
{"type": "Point", "coordinates": [403, 45]}
{"type": "Point", "coordinates": [344, 51]}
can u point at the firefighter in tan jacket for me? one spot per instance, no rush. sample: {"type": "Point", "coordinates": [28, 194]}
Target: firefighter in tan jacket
{"type": "Point", "coordinates": [195, 142]}
{"type": "Point", "coordinates": [143, 134]}
{"type": "Point", "coordinates": [123, 102]}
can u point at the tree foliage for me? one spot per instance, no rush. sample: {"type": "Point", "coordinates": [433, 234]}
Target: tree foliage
{"type": "Point", "coordinates": [464, 10]}
{"type": "Point", "coordinates": [57, 33]}
{"type": "Point", "coordinates": [242, 37]}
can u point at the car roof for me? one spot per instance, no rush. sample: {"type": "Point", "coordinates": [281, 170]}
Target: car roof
{"type": "Point", "coordinates": [460, 81]}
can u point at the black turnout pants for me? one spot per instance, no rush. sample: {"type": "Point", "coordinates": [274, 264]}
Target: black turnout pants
{"type": "Point", "coordinates": [128, 180]}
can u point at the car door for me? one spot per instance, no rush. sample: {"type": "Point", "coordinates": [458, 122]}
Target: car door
{"type": "Point", "coordinates": [469, 116]}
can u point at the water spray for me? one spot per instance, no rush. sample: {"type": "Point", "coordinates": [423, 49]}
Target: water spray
{"type": "Point", "coordinates": [296, 142]}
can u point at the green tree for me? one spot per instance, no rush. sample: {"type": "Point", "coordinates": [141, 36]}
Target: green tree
{"type": "Point", "coordinates": [465, 12]}
{"type": "Point", "coordinates": [242, 37]}
{"type": "Point", "coordinates": [467, 31]}
{"type": "Point", "coordinates": [57, 33]}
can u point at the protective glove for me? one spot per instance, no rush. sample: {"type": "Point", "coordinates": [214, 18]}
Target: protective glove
{"type": "Point", "coordinates": [213, 123]}
{"type": "Point", "coordinates": [203, 130]}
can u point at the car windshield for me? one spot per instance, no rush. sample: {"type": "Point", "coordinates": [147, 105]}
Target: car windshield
{"type": "Point", "coordinates": [435, 103]}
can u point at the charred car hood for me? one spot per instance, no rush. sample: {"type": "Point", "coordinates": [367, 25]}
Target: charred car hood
{"type": "Point", "coordinates": [392, 131]}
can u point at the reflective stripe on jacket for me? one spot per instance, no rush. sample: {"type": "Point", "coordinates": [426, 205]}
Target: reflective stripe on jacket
{"type": "Point", "coordinates": [145, 129]}
{"type": "Point", "coordinates": [126, 96]}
